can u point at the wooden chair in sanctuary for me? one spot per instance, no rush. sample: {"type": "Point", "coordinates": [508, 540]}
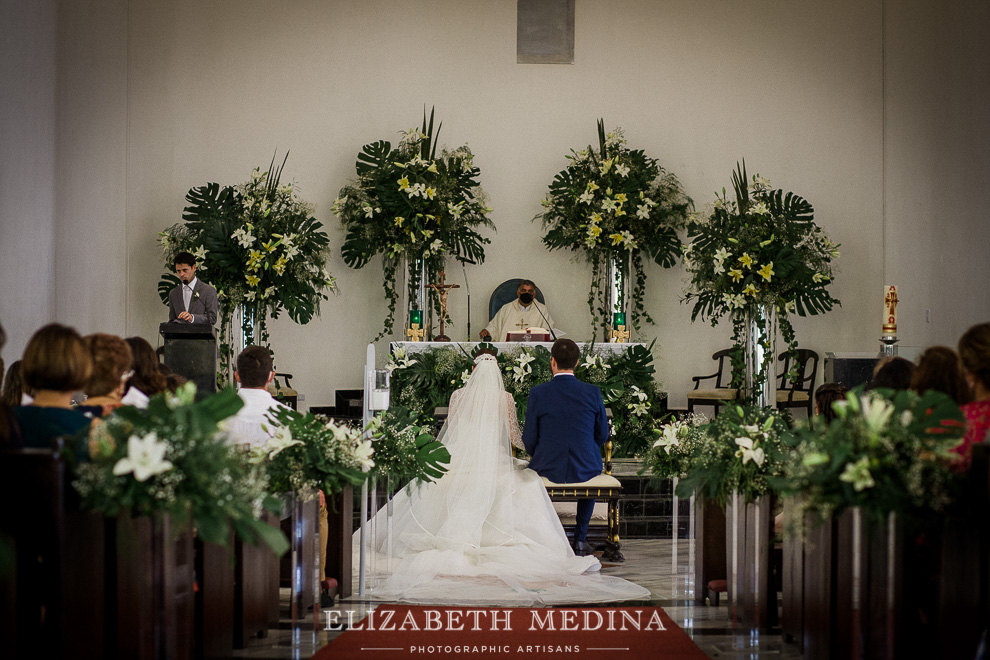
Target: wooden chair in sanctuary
{"type": "Point", "coordinates": [720, 394]}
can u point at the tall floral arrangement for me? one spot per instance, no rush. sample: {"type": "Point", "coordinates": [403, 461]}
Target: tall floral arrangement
{"type": "Point", "coordinates": [614, 205]}
{"type": "Point", "coordinates": [881, 453]}
{"type": "Point", "coordinates": [758, 250]}
{"type": "Point", "coordinates": [411, 204]}
{"type": "Point", "coordinates": [171, 459]}
{"type": "Point", "coordinates": [260, 246]}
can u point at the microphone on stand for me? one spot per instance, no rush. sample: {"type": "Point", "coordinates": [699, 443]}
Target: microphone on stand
{"type": "Point", "coordinates": [552, 333]}
{"type": "Point", "coordinates": [467, 288]}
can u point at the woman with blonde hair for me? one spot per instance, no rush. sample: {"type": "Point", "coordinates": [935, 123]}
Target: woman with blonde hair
{"type": "Point", "coordinates": [111, 369]}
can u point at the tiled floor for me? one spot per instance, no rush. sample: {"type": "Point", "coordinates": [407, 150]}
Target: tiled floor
{"type": "Point", "coordinates": [649, 562]}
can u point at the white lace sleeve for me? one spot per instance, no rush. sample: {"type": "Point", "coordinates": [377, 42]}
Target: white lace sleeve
{"type": "Point", "coordinates": [515, 435]}
{"type": "Point", "coordinates": [454, 396]}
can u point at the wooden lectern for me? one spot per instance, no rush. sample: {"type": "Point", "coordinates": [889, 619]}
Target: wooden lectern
{"type": "Point", "coordinates": [191, 352]}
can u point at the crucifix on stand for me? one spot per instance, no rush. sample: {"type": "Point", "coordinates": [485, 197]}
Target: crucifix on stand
{"type": "Point", "coordinates": [442, 290]}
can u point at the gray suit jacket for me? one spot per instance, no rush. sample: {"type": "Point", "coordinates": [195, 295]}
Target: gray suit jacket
{"type": "Point", "coordinates": [203, 305]}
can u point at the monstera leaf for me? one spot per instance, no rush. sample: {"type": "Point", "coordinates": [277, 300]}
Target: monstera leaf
{"type": "Point", "coordinates": [166, 284]}
{"type": "Point", "coordinates": [431, 456]}
{"type": "Point", "coordinates": [372, 157]}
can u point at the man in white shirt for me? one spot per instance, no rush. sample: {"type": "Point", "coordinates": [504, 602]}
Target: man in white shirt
{"type": "Point", "coordinates": [519, 314]}
{"type": "Point", "coordinates": [254, 372]}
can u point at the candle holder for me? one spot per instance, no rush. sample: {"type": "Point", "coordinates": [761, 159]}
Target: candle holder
{"type": "Point", "coordinates": [415, 331]}
{"type": "Point", "coordinates": [888, 346]}
{"type": "Point", "coordinates": [619, 335]}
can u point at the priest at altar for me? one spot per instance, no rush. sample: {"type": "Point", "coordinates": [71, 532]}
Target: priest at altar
{"type": "Point", "coordinates": [519, 314]}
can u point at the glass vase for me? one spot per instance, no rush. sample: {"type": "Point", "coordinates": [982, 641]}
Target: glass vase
{"type": "Point", "coordinates": [760, 345]}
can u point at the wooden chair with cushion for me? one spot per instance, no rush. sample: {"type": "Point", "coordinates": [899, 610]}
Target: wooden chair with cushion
{"type": "Point", "coordinates": [798, 392]}
{"type": "Point", "coordinates": [719, 395]}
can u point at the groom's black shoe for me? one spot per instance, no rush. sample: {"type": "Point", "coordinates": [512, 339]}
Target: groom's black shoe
{"type": "Point", "coordinates": [583, 549]}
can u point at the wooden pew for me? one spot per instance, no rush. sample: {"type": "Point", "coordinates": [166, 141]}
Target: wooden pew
{"type": "Point", "coordinates": [53, 600]}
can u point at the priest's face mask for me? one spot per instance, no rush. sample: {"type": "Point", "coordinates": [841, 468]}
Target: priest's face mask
{"type": "Point", "coordinates": [526, 293]}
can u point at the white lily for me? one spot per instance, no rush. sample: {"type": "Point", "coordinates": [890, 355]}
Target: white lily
{"type": "Point", "coordinates": [876, 413]}
{"type": "Point", "coordinates": [145, 457]}
{"type": "Point", "coordinates": [748, 453]}
{"type": "Point", "coordinates": [669, 437]}
{"type": "Point", "coordinates": [281, 440]}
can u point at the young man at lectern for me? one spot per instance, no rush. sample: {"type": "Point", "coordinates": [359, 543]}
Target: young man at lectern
{"type": "Point", "coordinates": [192, 301]}
{"type": "Point", "coordinates": [519, 314]}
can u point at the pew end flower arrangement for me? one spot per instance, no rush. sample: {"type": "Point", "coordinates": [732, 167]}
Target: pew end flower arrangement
{"type": "Point", "coordinates": [760, 251]}
{"type": "Point", "coordinates": [741, 450]}
{"type": "Point", "coordinates": [306, 454]}
{"type": "Point", "coordinates": [614, 205]}
{"type": "Point", "coordinates": [411, 204]}
{"type": "Point", "coordinates": [259, 244]}
{"type": "Point", "coordinates": [171, 459]}
{"type": "Point", "coordinates": [406, 449]}
{"type": "Point", "coordinates": [884, 453]}
{"type": "Point", "coordinates": [675, 443]}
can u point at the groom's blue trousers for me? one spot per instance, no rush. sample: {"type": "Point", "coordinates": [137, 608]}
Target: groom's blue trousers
{"type": "Point", "coordinates": [584, 510]}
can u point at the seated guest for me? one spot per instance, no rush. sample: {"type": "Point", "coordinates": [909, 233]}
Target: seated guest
{"type": "Point", "coordinates": [974, 351]}
{"type": "Point", "coordinates": [174, 381]}
{"type": "Point", "coordinates": [254, 372]}
{"type": "Point", "coordinates": [147, 380]}
{"type": "Point", "coordinates": [825, 396]}
{"type": "Point", "coordinates": [9, 430]}
{"type": "Point", "coordinates": [56, 364]}
{"type": "Point", "coordinates": [111, 358]}
{"type": "Point", "coordinates": [894, 374]}
{"type": "Point", "coordinates": [519, 314]}
{"type": "Point", "coordinates": [939, 369]}
{"type": "Point", "coordinates": [14, 392]}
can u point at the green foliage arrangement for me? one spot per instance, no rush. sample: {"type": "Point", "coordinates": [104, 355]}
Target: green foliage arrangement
{"type": "Point", "coordinates": [170, 459]}
{"type": "Point", "coordinates": [408, 203]}
{"type": "Point", "coordinates": [406, 450]}
{"type": "Point", "coordinates": [758, 253]}
{"type": "Point", "coordinates": [743, 449]}
{"type": "Point", "coordinates": [262, 249]}
{"type": "Point", "coordinates": [614, 205]}
{"type": "Point", "coordinates": [425, 380]}
{"type": "Point", "coordinates": [307, 453]}
{"type": "Point", "coordinates": [885, 452]}
{"type": "Point", "coordinates": [677, 440]}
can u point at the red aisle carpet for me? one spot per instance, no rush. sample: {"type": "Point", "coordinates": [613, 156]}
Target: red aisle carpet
{"type": "Point", "coordinates": [408, 632]}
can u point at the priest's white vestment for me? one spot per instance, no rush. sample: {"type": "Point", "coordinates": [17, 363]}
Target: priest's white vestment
{"type": "Point", "coordinates": [514, 317]}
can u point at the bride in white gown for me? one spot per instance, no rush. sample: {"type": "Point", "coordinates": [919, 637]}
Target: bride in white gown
{"type": "Point", "coordinates": [485, 533]}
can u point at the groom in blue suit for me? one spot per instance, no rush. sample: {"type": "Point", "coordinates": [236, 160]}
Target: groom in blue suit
{"type": "Point", "coordinates": [565, 429]}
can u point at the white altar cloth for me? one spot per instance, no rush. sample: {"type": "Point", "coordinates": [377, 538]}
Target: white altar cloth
{"type": "Point", "coordinates": [468, 346]}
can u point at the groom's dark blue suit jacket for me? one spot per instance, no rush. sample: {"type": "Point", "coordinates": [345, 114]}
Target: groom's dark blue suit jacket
{"type": "Point", "coordinates": [565, 428]}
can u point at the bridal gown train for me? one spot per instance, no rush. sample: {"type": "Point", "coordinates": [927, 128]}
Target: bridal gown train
{"type": "Point", "coordinates": [485, 533]}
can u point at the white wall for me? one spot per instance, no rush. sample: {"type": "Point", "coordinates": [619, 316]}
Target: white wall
{"type": "Point", "coordinates": [27, 169]}
{"type": "Point", "coordinates": [938, 167]}
{"type": "Point", "coordinates": [182, 93]}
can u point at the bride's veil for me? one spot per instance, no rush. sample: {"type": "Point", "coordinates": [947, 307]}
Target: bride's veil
{"type": "Point", "coordinates": [486, 532]}
{"type": "Point", "coordinates": [471, 506]}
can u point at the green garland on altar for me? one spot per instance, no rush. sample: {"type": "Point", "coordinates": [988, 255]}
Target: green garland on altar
{"type": "Point", "coordinates": [408, 202]}
{"type": "Point", "coordinates": [615, 204]}
{"type": "Point", "coordinates": [425, 380]}
{"type": "Point", "coordinates": [761, 250]}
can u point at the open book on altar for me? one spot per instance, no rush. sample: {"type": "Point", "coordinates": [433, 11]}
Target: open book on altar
{"type": "Point", "coordinates": [530, 334]}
